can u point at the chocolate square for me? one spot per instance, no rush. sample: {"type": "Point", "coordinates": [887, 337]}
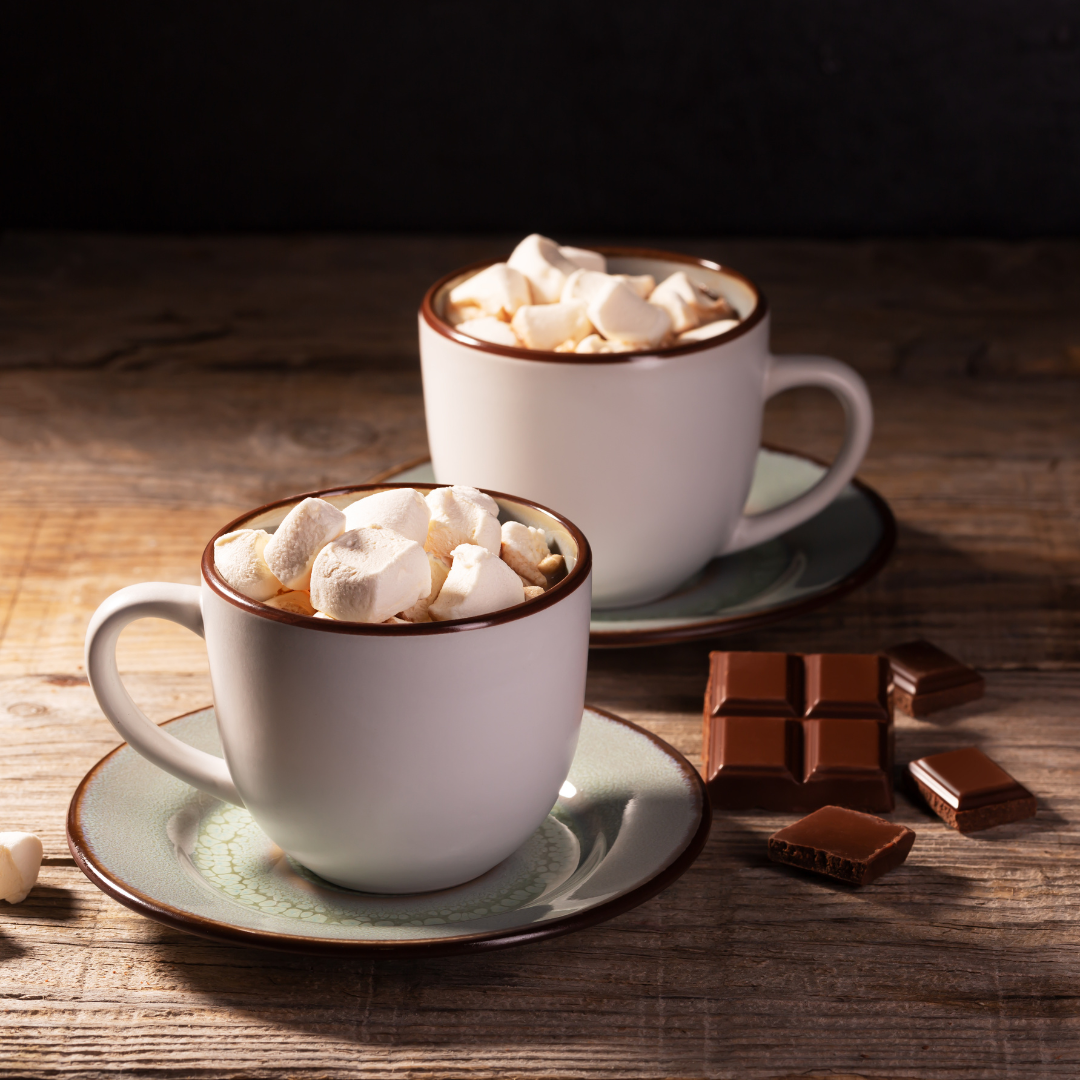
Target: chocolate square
{"type": "Point", "coordinates": [754, 761]}
{"type": "Point", "coordinates": [926, 679]}
{"type": "Point", "coordinates": [842, 844]}
{"type": "Point", "coordinates": [755, 684]}
{"type": "Point", "coordinates": [847, 761]}
{"type": "Point", "coordinates": [970, 791]}
{"type": "Point", "coordinates": [846, 684]}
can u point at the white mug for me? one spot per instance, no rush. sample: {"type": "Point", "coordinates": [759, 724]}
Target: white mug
{"type": "Point", "coordinates": [651, 453]}
{"type": "Point", "coordinates": [389, 759]}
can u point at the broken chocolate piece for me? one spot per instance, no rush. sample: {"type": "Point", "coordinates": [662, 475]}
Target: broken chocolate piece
{"type": "Point", "coordinates": [767, 746]}
{"type": "Point", "coordinates": [927, 679]}
{"type": "Point", "coordinates": [842, 844]}
{"type": "Point", "coordinates": [969, 791]}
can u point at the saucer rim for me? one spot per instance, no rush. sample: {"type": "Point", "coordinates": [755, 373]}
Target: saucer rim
{"type": "Point", "coordinates": [734, 624]}
{"type": "Point", "coordinates": [231, 934]}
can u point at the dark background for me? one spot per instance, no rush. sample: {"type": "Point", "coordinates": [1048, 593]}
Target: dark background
{"type": "Point", "coordinates": [752, 117]}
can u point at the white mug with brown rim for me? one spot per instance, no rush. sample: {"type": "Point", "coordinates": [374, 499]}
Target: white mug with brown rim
{"type": "Point", "coordinates": [652, 453]}
{"type": "Point", "coordinates": [390, 759]}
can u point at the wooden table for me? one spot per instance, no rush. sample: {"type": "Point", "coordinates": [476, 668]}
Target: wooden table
{"type": "Point", "coordinates": [151, 389]}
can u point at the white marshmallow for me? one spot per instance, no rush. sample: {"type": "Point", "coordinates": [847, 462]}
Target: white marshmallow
{"type": "Point", "coordinates": [308, 527]}
{"type": "Point", "coordinates": [621, 315]}
{"type": "Point", "coordinates": [20, 861]}
{"type": "Point", "coordinates": [239, 558]}
{"type": "Point", "coordinates": [533, 591]}
{"type": "Point", "coordinates": [401, 510]}
{"type": "Point", "coordinates": [490, 329]}
{"type": "Point", "coordinates": [462, 515]}
{"type": "Point", "coordinates": [539, 259]}
{"type": "Point", "coordinates": [479, 582]}
{"type": "Point", "coordinates": [688, 303]}
{"type": "Point", "coordinates": [594, 343]}
{"type": "Point", "coordinates": [419, 611]}
{"type": "Point", "coordinates": [642, 284]}
{"type": "Point", "coordinates": [368, 575]}
{"type": "Point", "coordinates": [587, 260]}
{"type": "Point", "coordinates": [545, 326]}
{"type": "Point", "coordinates": [498, 290]}
{"type": "Point", "coordinates": [523, 549]}
{"type": "Point", "coordinates": [584, 285]}
{"type": "Point", "coordinates": [297, 603]}
{"type": "Point", "coordinates": [702, 333]}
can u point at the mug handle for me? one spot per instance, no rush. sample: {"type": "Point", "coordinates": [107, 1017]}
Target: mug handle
{"type": "Point", "coordinates": [153, 600]}
{"type": "Point", "coordinates": [785, 373]}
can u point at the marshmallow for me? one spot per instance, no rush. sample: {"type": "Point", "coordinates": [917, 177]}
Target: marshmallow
{"type": "Point", "coordinates": [688, 303]}
{"type": "Point", "coordinates": [642, 284]}
{"type": "Point", "coordinates": [401, 510]}
{"type": "Point", "coordinates": [20, 860]}
{"type": "Point", "coordinates": [368, 575]}
{"type": "Point", "coordinates": [239, 558]}
{"type": "Point", "coordinates": [490, 329]}
{"type": "Point", "coordinates": [594, 343]}
{"type": "Point", "coordinates": [419, 611]}
{"type": "Point", "coordinates": [307, 528]}
{"type": "Point", "coordinates": [523, 549]}
{"type": "Point", "coordinates": [584, 285]}
{"type": "Point", "coordinates": [533, 591]}
{"type": "Point", "coordinates": [544, 326]}
{"type": "Point", "coordinates": [621, 315]}
{"type": "Point", "coordinates": [296, 603]}
{"type": "Point", "coordinates": [701, 333]}
{"type": "Point", "coordinates": [479, 582]}
{"type": "Point", "coordinates": [539, 259]}
{"type": "Point", "coordinates": [499, 291]}
{"type": "Point", "coordinates": [587, 260]}
{"type": "Point", "coordinates": [461, 515]}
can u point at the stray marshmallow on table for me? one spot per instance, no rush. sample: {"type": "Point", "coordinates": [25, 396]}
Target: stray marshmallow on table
{"type": "Point", "coordinates": [394, 557]}
{"type": "Point", "coordinates": [20, 861]}
{"type": "Point", "coordinates": [562, 299]}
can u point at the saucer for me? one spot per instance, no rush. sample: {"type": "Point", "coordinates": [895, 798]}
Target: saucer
{"type": "Point", "coordinates": [816, 562]}
{"type": "Point", "coordinates": [630, 819]}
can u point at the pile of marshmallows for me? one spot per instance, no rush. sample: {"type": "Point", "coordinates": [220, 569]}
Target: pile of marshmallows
{"type": "Point", "coordinates": [392, 557]}
{"type": "Point", "coordinates": [563, 300]}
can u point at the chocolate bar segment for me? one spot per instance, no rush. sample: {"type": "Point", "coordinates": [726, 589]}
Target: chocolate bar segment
{"type": "Point", "coordinates": [971, 792]}
{"type": "Point", "coordinates": [842, 844]}
{"type": "Point", "coordinates": [755, 684]}
{"type": "Point", "coordinates": [846, 684]}
{"type": "Point", "coordinates": [847, 762]}
{"type": "Point", "coordinates": [833, 747]}
{"type": "Point", "coordinates": [926, 679]}
{"type": "Point", "coordinates": [758, 762]}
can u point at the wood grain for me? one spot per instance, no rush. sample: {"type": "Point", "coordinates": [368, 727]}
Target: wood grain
{"type": "Point", "coordinates": [150, 389]}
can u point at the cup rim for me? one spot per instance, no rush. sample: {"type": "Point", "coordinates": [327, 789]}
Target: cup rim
{"type": "Point", "coordinates": [756, 316]}
{"type": "Point", "coordinates": [558, 592]}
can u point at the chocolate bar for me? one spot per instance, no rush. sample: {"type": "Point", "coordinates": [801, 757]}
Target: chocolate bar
{"type": "Point", "coordinates": [926, 679]}
{"type": "Point", "coordinates": [969, 791]}
{"type": "Point", "coordinates": [842, 844]}
{"type": "Point", "coordinates": [795, 733]}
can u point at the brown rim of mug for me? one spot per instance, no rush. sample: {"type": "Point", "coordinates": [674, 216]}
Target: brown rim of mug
{"type": "Point", "coordinates": [757, 314]}
{"type": "Point", "coordinates": [228, 933]}
{"type": "Point", "coordinates": [559, 591]}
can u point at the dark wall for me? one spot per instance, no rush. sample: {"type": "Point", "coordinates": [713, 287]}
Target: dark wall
{"type": "Point", "coordinates": [818, 117]}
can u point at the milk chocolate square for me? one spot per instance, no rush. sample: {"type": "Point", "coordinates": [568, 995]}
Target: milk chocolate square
{"type": "Point", "coordinates": [756, 761]}
{"type": "Point", "coordinates": [755, 684]}
{"type": "Point", "coordinates": [970, 791]}
{"type": "Point", "coordinates": [846, 684]}
{"type": "Point", "coordinates": [926, 679]}
{"type": "Point", "coordinates": [847, 762]}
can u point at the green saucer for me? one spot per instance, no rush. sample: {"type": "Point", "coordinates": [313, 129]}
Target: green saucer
{"type": "Point", "coordinates": [630, 819]}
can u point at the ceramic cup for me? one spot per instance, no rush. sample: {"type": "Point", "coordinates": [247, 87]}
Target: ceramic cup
{"type": "Point", "coordinates": [652, 453]}
{"type": "Point", "coordinates": [388, 759]}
